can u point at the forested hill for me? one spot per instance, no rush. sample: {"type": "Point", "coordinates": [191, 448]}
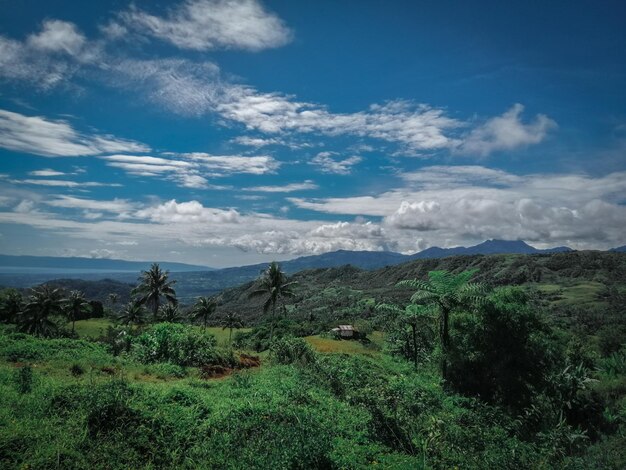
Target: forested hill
{"type": "Point", "coordinates": [585, 273]}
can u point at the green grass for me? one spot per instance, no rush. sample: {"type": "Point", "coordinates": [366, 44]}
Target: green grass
{"type": "Point", "coordinates": [329, 345]}
{"type": "Point", "coordinates": [92, 328]}
{"type": "Point", "coordinates": [582, 293]}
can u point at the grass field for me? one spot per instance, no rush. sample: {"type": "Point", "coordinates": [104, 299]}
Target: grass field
{"type": "Point", "coordinates": [329, 345]}
{"type": "Point", "coordinates": [582, 293]}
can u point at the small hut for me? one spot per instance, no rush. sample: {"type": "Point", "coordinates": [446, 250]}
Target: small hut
{"type": "Point", "coordinates": [345, 332]}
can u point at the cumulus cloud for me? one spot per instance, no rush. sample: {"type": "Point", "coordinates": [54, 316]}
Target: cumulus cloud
{"type": "Point", "coordinates": [549, 209]}
{"type": "Point", "coordinates": [506, 132]}
{"type": "Point", "coordinates": [188, 212]}
{"type": "Point", "coordinates": [212, 24]}
{"type": "Point", "coordinates": [329, 163]}
{"type": "Point", "coordinates": [56, 138]}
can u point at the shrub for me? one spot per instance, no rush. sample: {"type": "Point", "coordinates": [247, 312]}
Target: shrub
{"type": "Point", "coordinates": [292, 351]}
{"type": "Point", "coordinates": [77, 370]}
{"type": "Point", "coordinates": [182, 345]}
{"type": "Point", "coordinates": [24, 379]}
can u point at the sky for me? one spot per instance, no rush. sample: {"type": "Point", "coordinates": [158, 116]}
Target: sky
{"type": "Point", "coordinates": [230, 132]}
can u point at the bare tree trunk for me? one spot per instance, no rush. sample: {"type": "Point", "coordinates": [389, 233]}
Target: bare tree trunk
{"type": "Point", "coordinates": [272, 322]}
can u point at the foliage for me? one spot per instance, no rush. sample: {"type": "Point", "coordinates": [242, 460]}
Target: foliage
{"type": "Point", "coordinates": [275, 287]}
{"type": "Point", "coordinates": [74, 307]}
{"type": "Point", "coordinates": [203, 309]}
{"type": "Point", "coordinates": [504, 353]}
{"type": "Point", "coordinates": [11, 304]}
{"type": "Point", "coordinates": [291, 350]}
{"type": "Point", "coordinates": [154, 285]}
{"type": "Point", "coordinates": [447, 292]}
{"type": "Point", "coordinates": [36, 317]}
{"type": "Point", "coordinates": [178, 344]}
{"type": "Point", "coordinates": [133, 313]}
{"type": "Point", "coordinates": [24, 379]}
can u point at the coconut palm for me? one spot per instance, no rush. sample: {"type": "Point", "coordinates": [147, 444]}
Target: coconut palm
{"type": "Point", "coordinates": [75, 305]}
{"type": "Point", "coordinates": [275, 287]}
{"type": "Point", "coordinates": [171, 313]}
{"type": "Point", "coordinates": [447, 292]}
{"type": "Point", "coordinates": [417, 317]}
{"type": "Point", "coordinates": [113, 298]}
{"type": "Point", "coordinates": [231, 321]}
{"type": "Point", "coordinates": [153, 285]}
{"type": "Point", "coordinates": [11, 305]}
{"type": "Point", "coordinates": [203, 309]}
{"type": "Point", "coordinates": [133, 313]}
{"type": "Point", "coordinates": [44, 302]}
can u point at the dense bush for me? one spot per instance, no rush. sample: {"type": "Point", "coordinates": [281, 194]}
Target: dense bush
{"type": "Point", "coordinates": [505, 353]}
{"type": "Point", "coordinates": [178, 344]}
{"type": "Point", "coordinates": [292, 350]}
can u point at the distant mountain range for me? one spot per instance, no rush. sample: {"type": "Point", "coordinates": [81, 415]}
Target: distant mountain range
{"type": "Point", "coordinates": [22, 264]}
{"type": "Point", "coordinates": [361, 259]}
{"type": "Point", "coordinates": [25, 271]}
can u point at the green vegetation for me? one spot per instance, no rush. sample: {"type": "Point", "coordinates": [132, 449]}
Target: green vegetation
{"type": "Point", "coordinates": [528, 380]}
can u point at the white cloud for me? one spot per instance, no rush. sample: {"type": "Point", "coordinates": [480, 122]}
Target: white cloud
{"type": "Point", "coordinates": [47, 172]}
{"type": "Point", "coordinates": [25, 206]}
{"type": "Point", "coordinates": [212, 24]}
{"type": "Point", "coordinates": [575, 209]}
{"type": "Point", "coordinates": [188, 212]}
{"type": "Point", "coordinates": [287, 188]}
{"type": "Point", "coordinates": [49, 58]}
{"type": "Point", "coordinates": [191, 170]}
{"type": "Point", "coordinates": [195, 89]}
{"type": "Point", "coordinates": [506, 132]}
{"type": "Point", "coordinates": [328, 163]}
{"type": "Point", "coordinates": [116, 206]}
{"type": "Point", "coordinates": [58, 36]}
{"type": "Point", "coordinates": [63, 183]}
{"type": "Point", "coordinates": [56, 138]}
{"type": "Point", "coordinates": [228, 164]}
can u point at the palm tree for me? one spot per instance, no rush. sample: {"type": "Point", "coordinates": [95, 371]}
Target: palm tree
{"type": "Point", "coordinates": [203, 309]}
{"type": "Point", "coordinates": [75, 305]}
{"type": "Point", "coordinates": [11, 305]}
{"type": "Point", "coordinates": [113, 298]}
{"type": "Point", "coordinates": [132, 313]}
{"type": "Point", "coordinates": [153, 285]}
{"type": "Point", "coordinates": [416, 316]}
{"type": "Point", "coordinates": [274, 285]}
{"type": "Point", "coordinates": [447, 292]}
{"type": "Point", "coordinates": [44, 302]}
{"type": "Point", "coordinates": [231, 321]}
{"type": "Point", "coordinates": [171, 313]}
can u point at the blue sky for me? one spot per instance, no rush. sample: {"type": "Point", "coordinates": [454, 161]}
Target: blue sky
{"type": "Point", "coordinates": [232, 132]}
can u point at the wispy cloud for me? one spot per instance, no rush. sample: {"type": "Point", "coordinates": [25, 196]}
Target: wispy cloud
{"type": "Point", "coordinates": [62, 183]}
{"type": "Point", "coordinates": [191, 170]}
{"type": "Point", "coordinates": [329, 162]}
{"type": "Point", "coordinates": [211, 24]}
{"type": "Point", "coordinates": [506, 132]}
{"type": "Point", "coordinates": [116, 206]}
{"type": "Point", "coordinates": [47, 172]}
{"type": "Point", "coordinates": [286, 188]}
{"type": "Point", "coordinates": [56, 138]}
